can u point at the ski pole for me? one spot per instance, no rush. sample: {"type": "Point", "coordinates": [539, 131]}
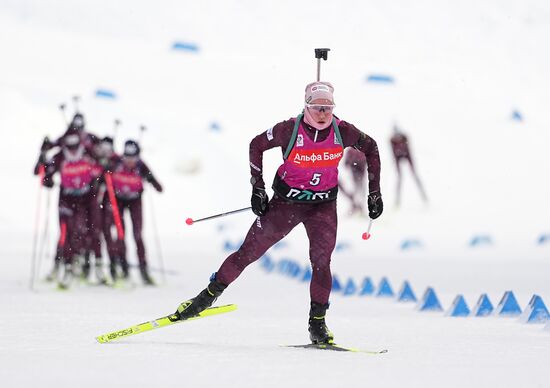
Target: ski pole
{"type": "Point", "coordinates": [46, 233]}
{"type": "Point", "coordinates": [157, 240]}
{"type": "Point", "coordinates": [367, 235]}
{"type": "Point", "coordinates": [142, 129]}
{"type": "Point", "coordinates": [191, 221]}
{"type": "Point", "coordinates": [115, 128]}
{"type": "Point", "coordinates": [62, 107]}
{"type": "Point", "coordinates": [320, 53]}
{"type": "Point", "coordinates": [41, 173]}
{"type": "Point", "coordinates": [76, 99]}
{"type": "Point", "coordinates": [114, 206]}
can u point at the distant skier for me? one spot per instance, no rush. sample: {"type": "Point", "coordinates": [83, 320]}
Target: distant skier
{"type": "Point", "coordinates": [401, 152]}
{"type": "Point", "coordinates": [107, 159]}
{"type": "Point", "coordinates": [77, 189]}
{"type": "Point", "coordinates": [356, 162]}
{"type": "Point", "coordinates": [128, 176]}
{"type": "Point", "coordinates": [306, 187]}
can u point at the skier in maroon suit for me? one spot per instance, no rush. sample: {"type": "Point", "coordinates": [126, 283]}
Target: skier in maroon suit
{"type": "Point", "coordinates": [77, 191]}
{"type": "Point", "coordinates": [128, 176]}
{"type": "Point", "coordinates": [402, 153]}
{"type": "Point", "coordinates": [305, 190]}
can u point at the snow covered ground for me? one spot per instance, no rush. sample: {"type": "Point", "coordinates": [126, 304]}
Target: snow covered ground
{"type": "Point", "coordinates": [461, 68]}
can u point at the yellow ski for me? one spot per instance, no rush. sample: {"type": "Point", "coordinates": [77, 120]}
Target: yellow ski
{"type": "Point", "coordinates": [162, 322]}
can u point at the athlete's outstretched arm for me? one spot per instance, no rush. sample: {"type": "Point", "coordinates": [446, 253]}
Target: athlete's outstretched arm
{"type": "Point", "coordinates": [276, 136]}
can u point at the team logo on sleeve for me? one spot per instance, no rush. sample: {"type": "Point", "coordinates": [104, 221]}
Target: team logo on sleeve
{"type": "Point", "coordinates": [270, 134]}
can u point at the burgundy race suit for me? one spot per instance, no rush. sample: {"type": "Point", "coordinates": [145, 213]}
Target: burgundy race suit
{"type": "Point", "coordinates": [78, 188]}
{"type": "Point", "coordinates": [305, 189]}
{"type": "Point", "coordinates": [128, 187]}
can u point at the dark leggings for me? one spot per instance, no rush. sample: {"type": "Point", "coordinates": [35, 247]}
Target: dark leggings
{"type": "Point", "coordinates": [320, 221]}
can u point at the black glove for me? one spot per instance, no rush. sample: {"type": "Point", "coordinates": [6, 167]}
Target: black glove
{"type": "Point", "coordinates": [48, 182]}
{"type": "Point", "coordinates": [375, 204]}
{"type": "Point", "coordinates": [259, 201]}
{"type": "Point", "coordinates": [46, 144]}
{"type": "Point", "coordinates": [157, 186]}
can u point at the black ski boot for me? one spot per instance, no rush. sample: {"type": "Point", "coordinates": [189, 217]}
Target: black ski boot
{"type": "Point", "coordinates": [147, 280]}
{"type": "Point", "coordinates": [318, 330]}
{"type": "Point", "coordinates": [125, 268]}
{"type": "Point", "coordinates": [205, 299]}
{"type": "Point", "coordinates": [113, 269]}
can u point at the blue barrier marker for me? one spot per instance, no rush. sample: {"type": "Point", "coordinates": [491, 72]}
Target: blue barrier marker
{"type": "Point", "coordinates": [517, 116]}
{"type": "Point", "coordinates": [384, 288]}
{"type": "Point", "coordinates": [481, 240]}
{"type": "Point", "coordinates": [536, 311]}
{"type": "Point", "coordinates": [342, 246]}
{"type": "Point", "coordinates": [367, 288]}
{"type": "Point", "coordinates": [229, 246]}
{"type": "Point", "coordinates": [409, 244]}
{"type": "Point", "coordinates": [429, 301]}
{"type": "Point", "coordinates": [406, 294]}
{"type": "Point", "coordinates": [508, 305]}
{"type": "Point", "coordinates": [543, 239]}
{"type": "Point", "coordinates": [336, 286]}
{"type": "Point", "coordinates": [350, 288]}
{"type": "Point", "coordinates": [280, 245]}
{"type": "Point", "coordinates": [266, 263]}
{"type": "Point", "coordinates": [459, 308]}
{"type": "Point", "coordinates": [289, 267]}
{"type": "Point", "coordinates": [185, 46]}
{"type": "Point", "coordinates": [104, 93]}
{"type": "Point", "coordinates": [306, 277]}
{"type": "Point", "coordinates": [484, 307]}
{"type": "Point", "coordinates": [215, 127]}
{"type": "Point", "coordinates": [380, 78]}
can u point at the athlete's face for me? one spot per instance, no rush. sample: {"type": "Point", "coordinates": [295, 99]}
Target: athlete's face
{"type": "Point", "coordinates": [321, 110]}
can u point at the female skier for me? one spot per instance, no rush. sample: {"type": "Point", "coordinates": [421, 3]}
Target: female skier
{"type": "Point", "coordinates": [305, 189]}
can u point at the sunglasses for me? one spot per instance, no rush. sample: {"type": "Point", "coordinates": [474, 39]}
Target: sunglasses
{"type": "Point", "coordinates": [320, 108]}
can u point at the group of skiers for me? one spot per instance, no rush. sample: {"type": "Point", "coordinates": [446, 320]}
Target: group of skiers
{"type": "Point", "coordinates": [96, 186]}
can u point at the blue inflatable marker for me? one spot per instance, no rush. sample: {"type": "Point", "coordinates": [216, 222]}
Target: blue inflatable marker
{"type": "Point", "coordinates": [105, 93]}
{"type": "Point", "coordinates": [380, 79]}
{"type": "Point", "coordinates": [367, 288]}
{"type": "Point", "coordinates": [350, 288]}
{"type": "Point", "coordinates": [459, 308]}
{"type": "Point", "coordinates": [484, 307]}
{"type": "Point", "coordinates": [266, 263]}
{"type": "Point", "coordinates": [306, 277]}
{"type": "Point", "coordinates": [280, 245]}
{"type": "Point", "coordinates": [342, 246]}
{"type": "Point", "coordinates": [508, 305]}
{"type": "Point", "coordinates": [215, 127]}
{"type": "Point", "coordinates": [429, 301]}
{"type": "Point", "coordinates": [336, 285]}
{"type": "Point", "coordinates": [384, 288]}
{"type": "Point", "coordinates": [185, 46]}
{"type": "Point", "coordinates": [544, 238]}
{"type": "Point", "coordinates": [289, 268]}
{"type": "Point", "coordinates": [409, 244]}
{"type": "Point", "coordinates": [480, 240]}
{"type": "Point", "coordinates": [229, 246]}
{"type": "Point", "coordinates": [517, 116]}
{"type": "Point", "coordinates": [536, 311]}
{"type": "Point", "coordinates": [406, 294]}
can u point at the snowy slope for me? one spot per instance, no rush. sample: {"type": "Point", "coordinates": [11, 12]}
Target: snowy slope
{"type": "Point", "coordinates": [461, 68]}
